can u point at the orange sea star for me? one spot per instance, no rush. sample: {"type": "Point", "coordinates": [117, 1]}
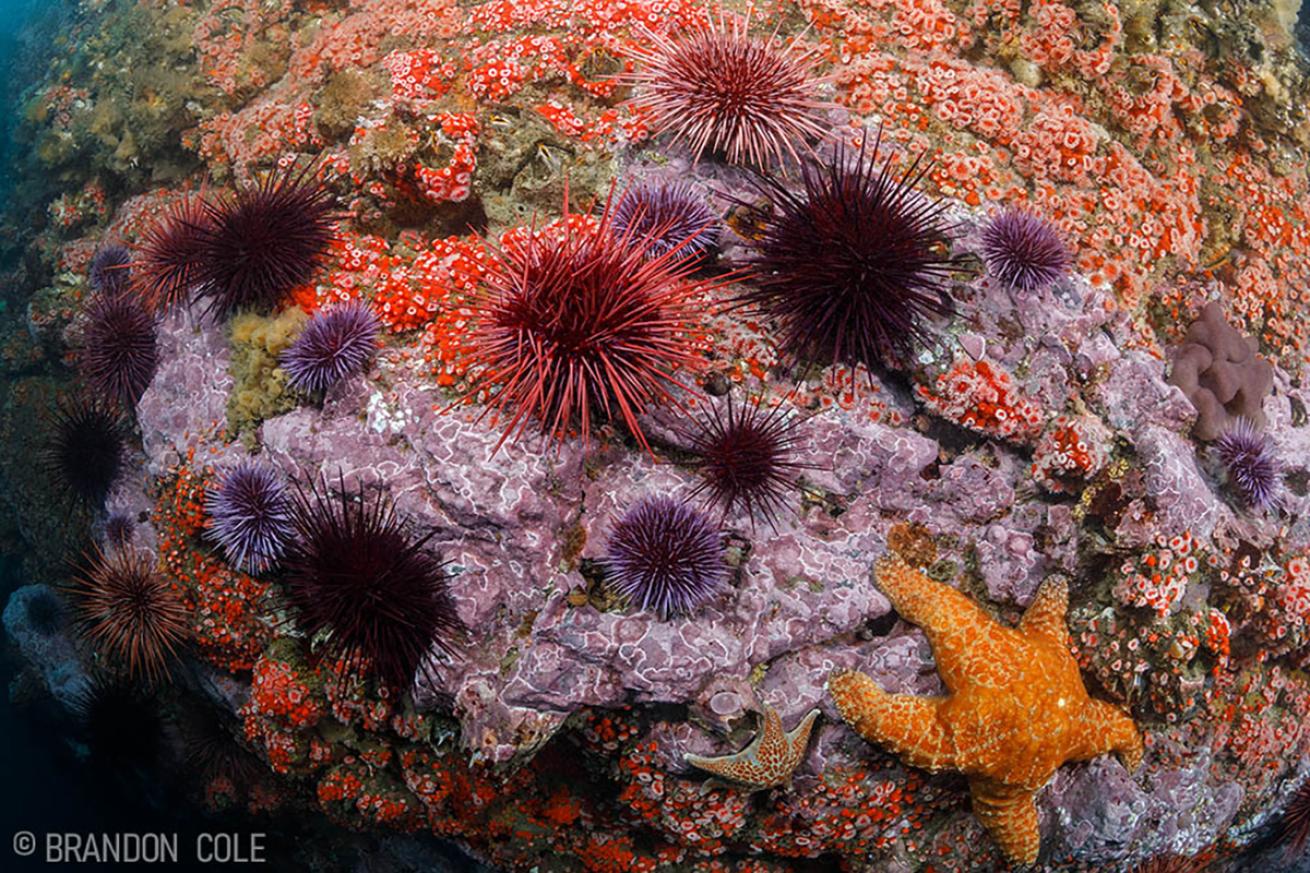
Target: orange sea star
{"type": "Point", "coordinates": [771, 757]}
{"type": "Point", "coordinates": [1016, 708]}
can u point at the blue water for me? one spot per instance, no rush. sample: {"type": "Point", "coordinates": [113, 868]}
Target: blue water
{"type": "Point", "coordinates": [22, 23]}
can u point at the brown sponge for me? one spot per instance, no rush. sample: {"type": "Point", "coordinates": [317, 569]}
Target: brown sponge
{"type": "Point", "coordinates": [1218, 370]}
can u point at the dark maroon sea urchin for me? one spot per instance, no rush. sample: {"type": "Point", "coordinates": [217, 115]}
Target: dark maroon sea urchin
{"type": "Point", "coordinates": [165, 261]}
{"type": "Point", "coordinates": [335, 344]}
{"type": "Point", "coordinates": [1250, 464]}
{"type": "Point", "coordinates": [374, 594]}
{"type": "Point", "coordinates": [665, 556]}
{"type": "Point", "coordinates": [84, 450]}
{"type": "Point", "coordinates": [1024, 251]}
{"type": "Point", "coordinates": [119, 352]}
{"type": "Point", "coordinates": [668, 217]}
{"type": "Point", "coordinates": [849, 265]}
{"type": "Point", "coordinates": [1293, 828]}
{"type": "Point", "coordinates": [258, 243]}
{"type": "Point", "coordinates": [129, 611]}
{"type": "Point", "coordinates": [111, 269]}
{"type": "Point", "coordinates": [250, 515]}
{"type": "Point", "coordinates": [745, 457]}
{"type": "Point", "coordinates": [719, 89]}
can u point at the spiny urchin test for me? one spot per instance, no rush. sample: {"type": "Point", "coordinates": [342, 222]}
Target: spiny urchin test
{"type": "Point", "coordinates": [1250, 464]}
{"type": "Point", "coordinates": [250, 515]}
{"type": "Point", "coordinates": [580, 326]}
{"type": "Point", "coordinates": [127, 609]}
{"type": "Point", "coordinates": [119, 351]}
{"type": "Point", "coordinates": [721, 90]}
{"type": "Point", "coordinates": [334, 345]}
{"type": "Point", "coordinates": [850, 265]}
{"type": "Point", "coordinates": [665, 556]}
{"type": "Point", "coordinates": [668, 217]}
{"type": "Point", "coordinates": [374, 594]}
{"type": "Point", "coordinates": [746, 457]}
{"type": "Point", "coordinates": [1024, 251]}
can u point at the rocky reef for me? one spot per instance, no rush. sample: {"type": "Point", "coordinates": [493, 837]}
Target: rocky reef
{"type": "Point", "coordinates": [1029, 433]}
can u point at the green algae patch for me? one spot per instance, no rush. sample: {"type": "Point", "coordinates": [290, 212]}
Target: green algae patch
{"type": "Point", "coordinates": [260, 390]}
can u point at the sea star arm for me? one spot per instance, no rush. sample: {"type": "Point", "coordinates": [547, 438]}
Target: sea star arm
{"type": "Point", "coordinates": [951, 621]}
{"type": "Point", "coordinates": [1106, 728]}
{"type": "Point", "coordinates": [1010, 816]}
{"type": "Point", "coordinates": [1045, 615]}
{"type": "Point", "coordinates": [905, 724]}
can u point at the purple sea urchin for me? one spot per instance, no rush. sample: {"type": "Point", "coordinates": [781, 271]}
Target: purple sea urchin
{"type": "Point", "coordinates": [1250, 464]}
{"type": "Point", "coordinates": [111, 269]}
{"type": "Point", "coordinates": [850, 265]}
{"type": "Point", "coordinates": [579, 325]}
{"type": "Point", "coordinates": [258, 243]}
{"type": "Point", "coordinates": [335, 344]}
{"type": "Point", "coordinates": [719, 89]}
{"type": "Point", "coordinates": [745, 458]}
{"type": "Point", "coordinates": [1024, 251]}
{"type": "Point", "coordinates": [120, 722]}
{"type": "Point", "coordinates": [129, 611]}
{"type": "Point", "coordinates": [84, 451]}
{"type": "Point", "coordinates": [665, 556]}
{"type": "Point", "coordinates": [668, 217]}
{"type": "Point", "coordinates": [374, 594]}
{"type": "Point", "coordinates": [119, 352]}
{"type": "Point", "coordinates": [250, 515]}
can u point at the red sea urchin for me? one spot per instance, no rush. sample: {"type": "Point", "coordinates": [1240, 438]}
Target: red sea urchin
{"type": "Point", "coordinates": [719, 89]}
{"type": "Point", "coordinates": [665, 556]}
{"type": "Point", "coordinates": [335, 344]}
{"type": "Point", "coordinates": [1293, 828]}
{"type": "Point", "coordinates": [745, 457]}
{"type": "Point", "coordinates": [375, 595]}
{"type": "Point", "coordinates": [849, 265]}
{"type": "Point", "coordinates": [1024, 251]}
{"type": "Point", "coordinates": [84, 451]}
{"type": "Point", "coordinates": [119, 351]}
{"type": "Point", "coordinates": [578, 324]}
{"type": "Point", "coordinates": [258, 243]}
{"type": "Point", "coordinates": [129, 611]}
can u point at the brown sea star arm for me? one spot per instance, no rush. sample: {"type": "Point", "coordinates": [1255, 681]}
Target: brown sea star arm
{"type": "Point", "coordinates": [901, 723]}
{"type": "Point", "coordinates": [1106, 728]}
{"type": "Point", "coordinates": [1045, 615]}
{"type": "Point", "coordinates": [1010, 816]}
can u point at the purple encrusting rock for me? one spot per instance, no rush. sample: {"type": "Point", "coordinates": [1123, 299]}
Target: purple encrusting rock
{"type": "Point", "coordinates": [665, 556]}
{"type": "Point", "coordinates": [335, 344]}
{"type": "Point", "coordinates": [250, 515]}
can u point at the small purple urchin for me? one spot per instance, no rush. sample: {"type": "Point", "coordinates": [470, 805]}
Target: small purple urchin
{"type": "Point", "coordinates": [1251, 466]}
{"type": "Point", "coordinates": [746, 458]}
{"type": "Point", "coordinates": [1024, 250]}
{"type": "Point", "coordinates": [335, 344]}
{"type": "Point", "coordinates": [851, 264]}
{"type": "Point", "coordinates": [721, 90]}
{"type": "Point", "coordinates": [250, 515]}
{"type": "Point", "coordinates": [111, 269]}
{"type": "Point", "coordinates": [119, 352]}
{"type": "Point", "coordinates": [666, 556]}
{"type": "Point", "coordinates": [667, 217]}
